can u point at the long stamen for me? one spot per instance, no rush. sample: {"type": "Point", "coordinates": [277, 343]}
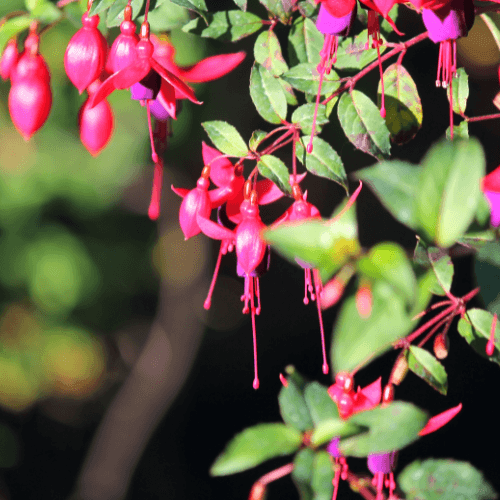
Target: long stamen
{"type": "Point", "coordinates": [255, 383]}
{"type": "Point", "coordinates": [490, 346]}
{"type": "Point", "coordinates": [336, 481]}
{"type": "Point", "coordinates": [317, 282]}
{"type": "Point", "coordinates": [208, 300]}
{"type": "Point", "coordinates": [246, 295]}
{"type": "Point", "coordinates": [440, 62]}
{"type": "Point", "coordinates": [154, 205]}
{"type": "Point", "coordinates": [154, 156]}
{"type": "Point", "coordinates": [257, 293]}
{"type": "Point", "coordinates": [307, 285]}
{"type": "Point", "coordinates": [382, 108]}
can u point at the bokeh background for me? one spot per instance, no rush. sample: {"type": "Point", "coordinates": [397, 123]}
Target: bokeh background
{"type": "Point", "coordinates": [108, 361]}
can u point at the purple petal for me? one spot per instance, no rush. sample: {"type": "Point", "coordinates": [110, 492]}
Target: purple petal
{"type": "Point", "coordinates": [331, 25]}
{"type": "Point", "coordinates": [333, 448]}
{"type": "Point", "coordinates": [158, 111]}
{"type": "Point", "coordinates": [449, 23]}
{"type": "Point", "coordinates": [147, 88]}
{"type": "Point", "coordinates": [494, 202]}
{"type": "Point", "coordinates": [382, 462]}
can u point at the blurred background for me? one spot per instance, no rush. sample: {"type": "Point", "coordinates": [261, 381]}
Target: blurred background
{"type": "Point", "coordinates": [110, 370]}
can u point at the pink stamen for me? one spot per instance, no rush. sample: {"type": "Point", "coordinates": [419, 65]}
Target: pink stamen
{"type": "Point", "coordinates": [336, 481]}
{"type": "Point", "coordinates": [307, 285]}
{"type": "Point", "coordinates": [382, 108]}
{"type": "Point", "coordinates": [317, 282]}
{"type": "Point", "coordinates": [154, 205]}
{"type": "Point", "coordinates": [208, 300]}
{"type": "Point", "coordinates": [490, 346]}
{"type": "Point", "coordinates": [283, 380]}
{"type": "Point", "coordinates": [257, 293]}
{"type": "Point", "coordinates": [440, 63]}
{"type": "Point", "coordinates": [246, 294]}
{"type": "Point", "coordinates": [154, 156]}
{"type": "Point", "coordinates": [254, 335]}
{"type": "Point", "coordinates": [378, 482]}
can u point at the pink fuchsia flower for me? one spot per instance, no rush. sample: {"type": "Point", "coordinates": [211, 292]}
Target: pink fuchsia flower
{"type": "Point", "coordinates": [31, 63]}
{"type": "Point", "coordinates": [9, 59]}
{"type": "Point", "coordinates": [85, 55]}
{"type": "Point", "coordinates": [490, 185]}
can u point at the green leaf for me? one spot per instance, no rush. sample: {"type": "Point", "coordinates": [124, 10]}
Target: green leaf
{"type": "Point", "coordinates": [460, 86]}
{"type": "Point", "coordinates": [267, 95]}
{"type": "Point", "coordinates": [282, 9]}
{"type": "Point", "coordinates": [198, 6]}
{"type": "Point", "coordinates": [385, 27]}
{"type": "Point", "coordinates": [242, 4]}
{"type": "Point", "coordinates": [256, 445]}
{"type": "Point", "coordinates": [46, 12]}
{"type": "Point", "coordinates": [303, 117]}
{"type": "Point", "coordinates": [460, 132]}
{"type": "Point", "coordinates": [476, 328]}
{"type": "Point", "coordinates": [402, 103]}
{"type": "Point", "coordinates": [9, 447]}
{"type": "Point", "coordinates": [326, 245]}
{"type": "Point", "coordinates": [302, 473]}
{"type": "Point", "coordinates": [357, 341]}
{"type": "Point", "coordinates": [225, 138]}
{"type": "Point", "coordinates": [443, 270]}
{"type": "Point", "coordinates": [293, 407]}
{"type": "Point", "coordinates": [289, 93]}
{"type": "Point", "coordinates": [322, 476]}
{"type": "Point", "coordinates": [320, 404]}
{"type": "Point", "coordinates": [449, 190]}
{"type": "Point", "coordinates": [323, 161]}
{"type": "Point", "coordinates": [395, 184]}
{"type": "Point", "coordinates": [388, 262]}
{"type": "Point", "coordinates": [444, 479]}
{"type": "Point", "coordinates": [257, 137]}
{"type": "Point", "coordinates": [275, 170]}
{"type": "Point", "coordinates": [229, 25]}
{"type": "Point", "coordinates": [167, 16]}
{"type": "Point", "coordinates": [267, 52]}
{"type": "Point", "coordinates": [352, 53]}
{"type": "Point", "coordinates": [423, 364]}
{"type": "Point", "coordinates": [487, 272]}
{"type": "Point", "coordinates": [99, 6]}
{"type": "Point", "coordinates": [305, 77]}
{"type": "Point", "coordinates": [11, 28]}
{"type": "Point", "coordinates": [33, 4]}
{"type": "Point", "coordinates": [492, 20]}
{"type": "Point", "coordinates": [334, 427]}
{"type": "Point", "coordinates": [390, 428]}
{"type": "Point", "coordinates": [115, 12]}
{"type": "Point", "coordinates": [364, 127]}
{"type": "Point", "coordinates": [304, 42]}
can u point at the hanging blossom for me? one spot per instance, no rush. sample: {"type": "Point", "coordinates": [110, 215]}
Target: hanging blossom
{"type": "Point", "coordinates": [490, 185]}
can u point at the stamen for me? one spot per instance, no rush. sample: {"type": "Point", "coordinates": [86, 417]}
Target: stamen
{"type": "Point", "coordinates": [382, 108]}
{"type": "Point", "coordinates": [490, 346]}
{"type": "Point", "coordinates": [307, 285]}
{"type": "Point", "coordinates": [317, 281]}
{"type": "Point", "coordinates": [254, 335]}
{"type": "Point", "coordinates": [283, 380]}
{"type": "Point", "coordinates": [246, 294]}
{"type": "Point", "coordinates": [335, 482]}
{"type": "Point", "coordinates": [154, 156]}
{"type": "Point", "coordinates": [440, 63]}
{"type": "Point", "coordinates": [208, 300]}
{"type": "Point", "coordinates": [154, 205]}
{"type": "Point", "coordinates": [257, 293]}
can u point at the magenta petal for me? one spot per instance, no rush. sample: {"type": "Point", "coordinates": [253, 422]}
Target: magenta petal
{"type": "Point", "coordinates": [180, 191]}
{"type": "Point", "coordinates": [250, 248]}
{"type": "Point", "coordinates": [331, 25]}
{"type": "Point", "coordinates": [373, 392]}
{"type": "Point", "coordinates": [219, 196]}
{"type": "Point", "coordinates": [212, 67]}
{"type": "Point", "coordinates": [438, 421]}
{"type": "Point", "coordinates": [268, 192]}
{"type": "Point", "coordinates": [448, 23]}
{"type": "Point", "coordinates": [494, 203]}
{"type": "Point", "coordinates": [134, 73]}
{"type": "Point", "coordinates": [382, 462]}
{"type": "Point", "coordinates": [333, 448]}
{"type": "Point", "coordinates": [221, 170]}
{"type": "Point", "coordinates": [158, 111]}
{"type": "Point", "coordinates": [213, 230]}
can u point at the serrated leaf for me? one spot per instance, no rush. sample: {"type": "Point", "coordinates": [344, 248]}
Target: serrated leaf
{"type": "Point", "coordinates": [304, 42]}
{"type": "Point", "coordinates": [267, 95]}
{"type": "Point", "coordinates": [476, 329]}
{"type": "Point", "coordinates": [444, 479]}
{"type": "Point", "coordinates": [460, 87]}
{"type": "Point", "coordinates": [395, 185]}
{"type": "Point", "coordinates": [225, 138]}
{"type": "Point", "coordinates": [448, 191]}
{"type": "Point", "coordinates": [302, 473]}
{"type": "Point", "coordinates": [402, 103]}
{"type": "Point", "coordinates": [267, 52]}
{"type": "Point", "coordinates": [356, 341]}
{"type": "Point", "coordinates": [388, 262]}
{"type": "Point", "coordinates": [11, 28]}
{"type": "Point", "coordinates": [305, 77]}
{"type": "Point", "coordinates": [115, 12]}
{"type": "Point", "coordinates": [229, 25]}
{"type": "Point", "coordinates": [322, 476]}
{"type": "Point", "coordinates": [390, 428]}
{"type": "Point", "coordinates": [275, 170]}
{"type": "Point", "coordinates": [423, 364]}
{"type": "Point", "coordinates": [293, 407]}
{"type": "Point", "coordinates": [256, 445]}
{"type": "Point", "coordinates": [257, 137]}
{"type": "Point", "coordinates": [323, 161]}
{"type": "Point", "coordinates": [303, 117]}
{"type": "Point", "coordinates": [353, 54]}
{"type": "Point", "coordinates": [362, 124]}
{"type": "Point", "coordinates": [320, 404]}
{"type": "Point", "coordinates": [282, 9]}
{"type": "Point", "coordinates": [460, 132]}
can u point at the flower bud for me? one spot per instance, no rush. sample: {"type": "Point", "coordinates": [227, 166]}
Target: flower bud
{"type": "Point", "coordinates": [399, 370]}
{"type": "Point", "coordinates": [382, 462]}
{"type": "Point", "coordinates": [364, 300]}
{"type": "Point", "coordinates": [122, 52]}
{"type": "Point", "coordinates": [86, 54]}
{"type": "Point", "coordinates": [9, 59]}
{"type": "Point", "coordinates": [32, 66]}
{"type": "Point", "coordinates": [441, 345]}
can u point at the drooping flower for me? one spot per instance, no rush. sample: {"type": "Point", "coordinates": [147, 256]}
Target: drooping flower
{"type": "Point", "coordinates": [9, 59]}
{"type": "Point", "coordinates": [31, 63]}
{"type": "Point", "coordinates": [490, 185]}
{"type": "Point", "coordinates": [85, 55]}
{"type": "Point", "coordinates": [445, 24]}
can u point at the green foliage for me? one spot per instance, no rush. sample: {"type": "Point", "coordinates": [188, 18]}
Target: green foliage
{"type": "Point", "coordinates": [423, 364]}
{"type": "Point", "coordinates": [274, 169]}
{"type": "Point", "coordinates": [225, 138]}
{"type": "Point", "coordinates": [460, 89]}
{"type": "Point", "coordinates": [293, 407]}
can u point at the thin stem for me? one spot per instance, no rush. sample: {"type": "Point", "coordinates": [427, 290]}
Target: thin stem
{"type": "Point", "coordinates": [444, 321]}
{"type": "Point", "coordinates": [482, 118]}
{"type": "Point", "coordinates": [146, 12]}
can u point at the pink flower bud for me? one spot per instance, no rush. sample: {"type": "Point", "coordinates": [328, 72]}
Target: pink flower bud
{"type": "Point", "coordinates": [9, 59]}
{"type": "Point", "coordinates": [86, 54]}
{"type": "Point", "coordinates": [122, 52]}
{"type": "Point", "coordinates": [30, 101]}
{"type": "Point", "coordinates": [364, 300]}
{"type": "Point", "coordinates": [441, 345]}
{"type": "Point", "coordinates": [96, 125]}
{"type": "Point", "coordinates": [32, 66]}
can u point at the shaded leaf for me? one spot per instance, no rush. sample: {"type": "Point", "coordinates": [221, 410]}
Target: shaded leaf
{"type": "Point", "coordinates": [267, 52]}
{"type": "Point", "coordinates": [390, 428]}
{"type": "Point", "coordinates": [242, 4]}
{"type": "Point", "coordinates": [293, 407]}
{"type": "Point", "coordinates": [257, 137]}
{"type": "Point", "coordinates": [275, 170]}
{"type": "Point", "coordinates": [9, 447]}
{"type": "Point", "coordinates": [256, 445]}
{"type": "Point", "coordinates": [11, 28]}
{"type": "Point", "coordinates": [364, 127]}
{"type": "Point", "coordinates": [320, 404]}
{"type": "Point", "coordinates": [267, 95]}
{"type": "Point", "coordinates": [460, 132]}
{"type": "Point", "coordinates": [289, 93]}
{"type": "Point", "coordinates": [323, 161]}
{"type": "Point", "coordinates": [302, 473]}
{"type": "Point", "coordinates": [354, 54]}
{"type": "Point", "coordinates": [423, 364]}
{"type": "Point", "coordinates": [444, 479]}
{"type": "Point", "coordinates": [282, 9]}
{"type": "Point", "coordinates": [305, 77]}
{"type": "Point", "coordinates": [329, 429]}
{"type": "Point", "coordinates": [303, 117]}
{"type": "Point", "coordinates": [304, 42]}
{"type": "Point", "coordinates": [225, 138]}
{"type": "Point", "coordinates": [402, 103]}
{"type": "Point", "coordinates": [322, 476]}
{"type": "Point", "coordinates": [487, 272]}
{"type": "Point", "coordinates": [460, 87]}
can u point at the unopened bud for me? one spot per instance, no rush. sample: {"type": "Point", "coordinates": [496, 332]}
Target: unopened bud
{"type": "Point", "coordinates": [331, 293]}
{"type": "Point", "coordinates": [388, 394]}
{"type": "Point", "coordinates": [345, 381]}
{"type": "Point", "coordinates": [441, 345]}
{"type": "Point", "coordinates": [399, 370]}
{"type": "Point", "coordinates": [364, 300]}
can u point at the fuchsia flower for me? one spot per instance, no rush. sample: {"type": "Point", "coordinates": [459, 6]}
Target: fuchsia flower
{"type": "Point", "coordinates": [85, 54]}
{"type": "Point", "coordinates": [490, 185]}
{"type": "Point", "coordinates": [9, 58]}
{"type": "Point", "coordinates": [30, 97]}
{"type": "Point", "coordinates": [122, 52]}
